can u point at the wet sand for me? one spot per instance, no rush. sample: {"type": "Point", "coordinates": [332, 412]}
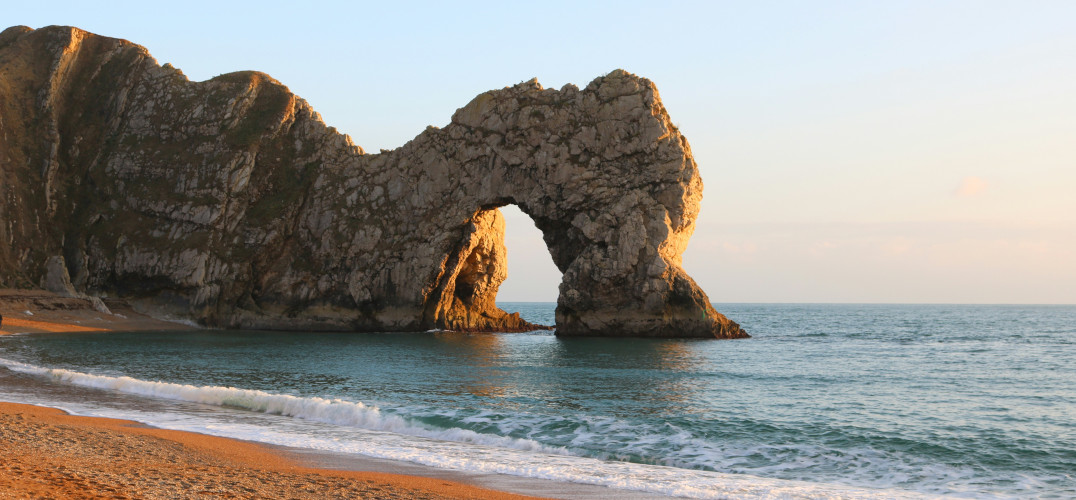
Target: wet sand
{"type": "Point", "coordinates": [46, 453]}
{"type": "Point", "coordinates": [49, 454]}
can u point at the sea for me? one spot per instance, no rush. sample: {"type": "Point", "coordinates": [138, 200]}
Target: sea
{"type": "Point", "coordinates": [824, 401]}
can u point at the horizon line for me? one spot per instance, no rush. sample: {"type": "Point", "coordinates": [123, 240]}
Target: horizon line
{"type": "Point", "coordinates": [846, 303]}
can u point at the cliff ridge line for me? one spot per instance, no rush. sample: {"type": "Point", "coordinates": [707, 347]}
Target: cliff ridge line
{"type": "Point", "coordinates": [229, 201]}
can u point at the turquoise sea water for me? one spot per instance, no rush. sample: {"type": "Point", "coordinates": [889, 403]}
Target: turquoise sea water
{"type": "Point", "coordinates": [824, 401]}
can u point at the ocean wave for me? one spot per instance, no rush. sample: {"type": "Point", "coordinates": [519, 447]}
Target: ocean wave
{"type": "Point", "coordinates": [368, 431]}
{"type": "Point", "coordinates": [741, 448]}
{"type": "Point", "coordinates": [329, 411]}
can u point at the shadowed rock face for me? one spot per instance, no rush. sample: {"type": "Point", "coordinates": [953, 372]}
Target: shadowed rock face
{"type": "Point", "coordinates": [229, 201]}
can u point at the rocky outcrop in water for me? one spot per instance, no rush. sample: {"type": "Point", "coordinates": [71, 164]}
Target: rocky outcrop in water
{"type": "Point", "coordinates": [229, 201]}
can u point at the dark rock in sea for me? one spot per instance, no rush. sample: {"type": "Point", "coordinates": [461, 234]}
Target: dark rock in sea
{"type": "Point", "coordinates": [229, 201]}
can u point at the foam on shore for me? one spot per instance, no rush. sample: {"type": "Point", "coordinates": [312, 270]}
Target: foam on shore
{"type": "Point", "coordinates": [358, 428]}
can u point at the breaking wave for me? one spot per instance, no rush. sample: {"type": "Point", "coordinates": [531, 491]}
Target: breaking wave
{"type": "Point", "coordinates": [363, 429]}
{"type": "Point", "coordinates": [329, 411]}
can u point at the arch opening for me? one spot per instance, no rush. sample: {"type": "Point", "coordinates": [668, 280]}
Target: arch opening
{"type": "Point", "coordinates": [532, 285]}
{"type": "Point", "coordinates": [464, 296]}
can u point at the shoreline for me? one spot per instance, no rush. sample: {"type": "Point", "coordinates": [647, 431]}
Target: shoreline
{"type": "Point", "coordinates": [39, 311]}
{"type": "Point", "coordinates": [51, 453]}
{"type": "Point", "coordinates": [47, 472]}
{"type": "Point", "coordinates": [493, 485]}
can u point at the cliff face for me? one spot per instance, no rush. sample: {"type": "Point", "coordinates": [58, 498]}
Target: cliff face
{"type": "Point", "coordinates": [229, 201]}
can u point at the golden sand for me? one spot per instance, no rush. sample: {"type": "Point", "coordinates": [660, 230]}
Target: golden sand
{"type": "Point", "coordinates": [25, 324]}
{"type": "Point", "coordinates": [45, 453]}
{"type": "Point", "coordinates": [49, 454]}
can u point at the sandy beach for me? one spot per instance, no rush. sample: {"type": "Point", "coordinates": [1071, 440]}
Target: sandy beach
{"type": "Point", "coordinates": [50, 454]}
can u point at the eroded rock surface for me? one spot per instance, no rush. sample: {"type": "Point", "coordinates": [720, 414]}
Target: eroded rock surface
{"type": "Point", "coordinates": [229, 201]}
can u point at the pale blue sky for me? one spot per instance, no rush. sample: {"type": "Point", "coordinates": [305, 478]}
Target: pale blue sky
{"type": "Point", "coordinates": [852, 151]}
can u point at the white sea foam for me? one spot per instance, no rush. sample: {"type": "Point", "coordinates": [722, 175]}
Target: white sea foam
{"type": "Point", "coordinates": [363, 429]}
{"type": "Point", "coordinates": [330, 411]}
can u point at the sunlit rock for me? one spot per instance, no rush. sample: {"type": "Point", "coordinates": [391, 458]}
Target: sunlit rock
{"type": "Point", "coordinates": [229, 201]}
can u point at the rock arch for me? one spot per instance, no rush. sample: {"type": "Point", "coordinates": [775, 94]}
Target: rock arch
{"type": "Point", "coordinates": [608, 180]}
{"type": "Point", "coordinates": [229, 201]}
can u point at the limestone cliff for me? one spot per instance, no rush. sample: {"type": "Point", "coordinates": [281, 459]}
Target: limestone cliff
{"type": "Point", "coordinates": [229, 201]}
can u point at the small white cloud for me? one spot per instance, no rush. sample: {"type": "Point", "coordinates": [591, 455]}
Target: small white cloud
{"type": "Point", "coordinates": [971, 186]}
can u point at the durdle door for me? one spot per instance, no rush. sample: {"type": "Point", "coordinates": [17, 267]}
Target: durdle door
{"type": "Point", "coordinates": [230, 202]}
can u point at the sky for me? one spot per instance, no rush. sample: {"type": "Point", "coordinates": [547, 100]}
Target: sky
{"type": "Point", "coordinates": [877, 152]}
